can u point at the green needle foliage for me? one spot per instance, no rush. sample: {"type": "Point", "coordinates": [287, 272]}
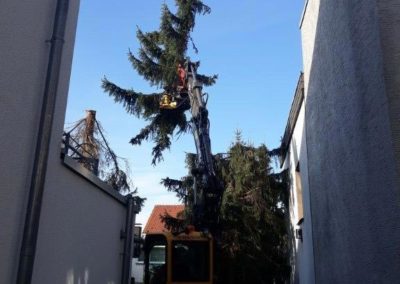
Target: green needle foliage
{"type": "Point", "coordinates": [156, 61]}
{"type": "Point", "coordinates": [253, 218]}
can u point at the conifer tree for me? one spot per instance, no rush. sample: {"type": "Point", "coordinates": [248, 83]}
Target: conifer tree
{"type": "Point", "coordinates": [253, 245]}
{"type": "Point", "coordinates": [253, 218]}
{"type": "Point", "coordinates": [157, 59]}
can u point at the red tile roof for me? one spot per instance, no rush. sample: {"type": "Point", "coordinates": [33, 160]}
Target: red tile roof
{"type": "Point", "coordinates": [154, 223]}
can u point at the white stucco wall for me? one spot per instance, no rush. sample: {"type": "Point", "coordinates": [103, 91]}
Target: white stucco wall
{"type": "Point", "coordinates": [303, 260]}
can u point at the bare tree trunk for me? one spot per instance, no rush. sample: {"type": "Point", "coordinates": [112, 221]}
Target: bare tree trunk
{"type": "Point", "coordinates": [90, 147]}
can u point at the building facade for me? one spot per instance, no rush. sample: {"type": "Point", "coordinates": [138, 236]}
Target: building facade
{"type": "Point", "coordinates": [58, 222]}
{"type": "Point", "coordinates": [351, 188]}
{"type": "Point", "coordinates": [295, 162]}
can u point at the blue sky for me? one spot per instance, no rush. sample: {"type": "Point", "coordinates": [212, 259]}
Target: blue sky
{"type": "Point", "coordinates": [254, 46]}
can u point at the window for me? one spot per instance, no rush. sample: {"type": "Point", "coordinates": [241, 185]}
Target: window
{"type": "Point", "coordinates": [157, 255]}
{"type": "Point", "coordinates": [157, 265]}
{"type": "Point", "coordinates": [190, 261]}
{"type": "Point", "coordinates": [299, 193]}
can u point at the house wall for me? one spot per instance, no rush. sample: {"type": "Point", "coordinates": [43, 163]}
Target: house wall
{"type": "Point", "coordinates": [25, 26]}
{"type": "Point", "coordinates": [351, 141]}
{"type": "Point", "coordinates": [79, 231]}
{"type": "Point", "coordinates": [302, 255]}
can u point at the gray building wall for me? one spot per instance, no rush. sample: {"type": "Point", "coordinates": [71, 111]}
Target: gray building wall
{"type": "Point", "coordinates": [25, 26]}
{"type": "Point", "coordinates": [389, 28]}
{"type": "Point", "coordinates": [349, 48]}
{"type": "Point", "coordinates": [79, 233]}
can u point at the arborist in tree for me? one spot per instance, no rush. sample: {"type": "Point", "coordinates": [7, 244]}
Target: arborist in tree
{"type": "Point", "coordinates": [170, 101]}
{"type": "Point", "coordinates": [182, 78]}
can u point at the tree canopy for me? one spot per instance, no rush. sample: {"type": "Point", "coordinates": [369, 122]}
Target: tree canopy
{"type": "Point", "coordinates": [156, 61]}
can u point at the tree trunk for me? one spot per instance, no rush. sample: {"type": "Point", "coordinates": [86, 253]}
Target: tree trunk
{"type": "Point", "coordinates": [90, 149]}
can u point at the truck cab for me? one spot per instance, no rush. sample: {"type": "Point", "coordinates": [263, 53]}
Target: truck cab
{"type": "Point", "coordinates": [185, 258]}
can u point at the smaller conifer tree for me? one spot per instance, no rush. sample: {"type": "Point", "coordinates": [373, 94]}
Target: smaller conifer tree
{"type": "Point", "coordinates": [253, 244]}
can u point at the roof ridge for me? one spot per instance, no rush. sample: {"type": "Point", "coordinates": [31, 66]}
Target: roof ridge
{"type": "Point", "coordinates": [154, 222]}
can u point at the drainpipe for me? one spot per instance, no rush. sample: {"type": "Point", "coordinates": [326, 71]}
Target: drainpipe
{"type": "Point", "coordinates": [31, 227]}
{"type": "Point", "coordinates": [132, 210]}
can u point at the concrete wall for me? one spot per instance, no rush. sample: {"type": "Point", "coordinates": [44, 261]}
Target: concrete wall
{"type": "Point", "coordinates": [79, 234]}
{"type": "Point", "coordinates": [353, 174]}
{"type": "Point", "coordinates": [25, 26]}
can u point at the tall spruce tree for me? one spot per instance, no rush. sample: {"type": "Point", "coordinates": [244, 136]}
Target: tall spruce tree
{"type": "Point", "coordinates": [157, 60]}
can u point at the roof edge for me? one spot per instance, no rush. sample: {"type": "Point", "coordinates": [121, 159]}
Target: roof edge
{"type": "Point", "coordinates": [293, 115]}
